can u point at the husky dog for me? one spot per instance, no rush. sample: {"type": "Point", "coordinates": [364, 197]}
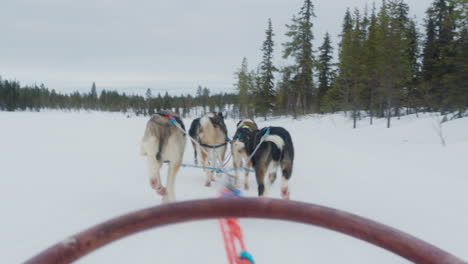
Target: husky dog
{"type": "Point", "coordinates": [193, 133]}
{"type": "Point", "coordinates": [275, 151]}
{"type": "Point", "coordinates": [239, 154]}
{"type": "Point", "coordinates": [162, 143]}
{"type": "Point", "coordinates": [212, 135]}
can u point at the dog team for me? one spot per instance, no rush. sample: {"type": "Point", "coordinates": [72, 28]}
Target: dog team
{"type": "Point", "coordinates": [263, 150]}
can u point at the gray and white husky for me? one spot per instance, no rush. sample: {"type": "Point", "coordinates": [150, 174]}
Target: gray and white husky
{"type": "Point", "coordinates": [212, 137]}
{"type": "Point", "coordinates": [240, 158]}
{"type": "Point", "coordinates": [162, 143]}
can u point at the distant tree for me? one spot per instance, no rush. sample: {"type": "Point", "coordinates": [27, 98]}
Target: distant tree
{"type": "Point", "coordinates": [205, 99]}
{"type": "Point", "coordinates": [92, 97]}
{"type": "Point", "coordinates": [243, 86]}
{"type": "Point", "coordinates": [265, 96]}
{"type": "Point", "coordinates": [342, 89]}
{"type": "Point", "coordinates": [325, 71]}
{"type": "Point", "coordinates": [299, 47]}
{"type": "Point", "coordinates": [371, 53]}
{"type": "Point", "coordinates": [285, 91]}
{"type": "Point", "coordinates": [150, 102]}
{"type": "Point", "coordinates": [442, 55]}
{"type": "Point", "coordinates": [412, 92]}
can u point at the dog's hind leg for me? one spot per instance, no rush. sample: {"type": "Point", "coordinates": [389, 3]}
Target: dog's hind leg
{"type": "Point", "coordinates": [195, 150]}
{"type": "Point", "coordinates": [260, 175]}
{"type": "Point", "coordinates": [171, 177]}
{"type": "Point", "coordinates": [286, 169]}
{"type": "Point", "coordinates": [236, 162]}
{"type": "Point", "coordinates": [208, 172]}
{"type": "Point", "coordinates": [246, 174]}
{"type": "Point", "coordinates": [271, 166]}
{"type": "Point", "coordinates": [155, 179]}
{"type": "Point", "coordinates": [219, 155]}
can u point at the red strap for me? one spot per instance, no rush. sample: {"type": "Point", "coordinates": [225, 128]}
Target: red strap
{"type": "Point", "coordinates": [231, 233]}
{"type": "Point", "coordinates": [168, 116]}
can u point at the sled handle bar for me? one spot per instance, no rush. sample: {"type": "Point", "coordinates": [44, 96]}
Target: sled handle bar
{"type": "Point", "coordinates": [398, 242]}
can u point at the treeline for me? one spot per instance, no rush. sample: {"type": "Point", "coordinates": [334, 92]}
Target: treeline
{"type": "Point", "coordinates": [13, 97]}
{"type": "Point", "coordinates": [385, 66]}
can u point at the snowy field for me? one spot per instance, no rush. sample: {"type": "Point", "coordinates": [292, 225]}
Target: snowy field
{"type": "Point", "coordinates": [63, 172]}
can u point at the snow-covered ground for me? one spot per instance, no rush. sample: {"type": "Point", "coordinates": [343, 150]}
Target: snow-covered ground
{"type": "Point", "coordinates": [63, 172]}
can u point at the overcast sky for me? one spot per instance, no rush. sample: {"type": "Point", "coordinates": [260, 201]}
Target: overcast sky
{"type": "Point", "coordinates": [164, 45]}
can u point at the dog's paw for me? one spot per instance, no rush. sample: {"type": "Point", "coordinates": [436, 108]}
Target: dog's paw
{"type": "Point", "coordinates": [161, 191]}
{"type": "Point", "coordinates": [154, 183]}
{"type": "Point", "coordinates": [285, 193]}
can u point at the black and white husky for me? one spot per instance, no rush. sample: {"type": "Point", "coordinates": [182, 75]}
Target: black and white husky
{"type": "Point", "coordinates": [162, 143]}
{"type": "Point", "coordinates": [275, 150]}
{"type": "Point", "coordinates": [240, 158]}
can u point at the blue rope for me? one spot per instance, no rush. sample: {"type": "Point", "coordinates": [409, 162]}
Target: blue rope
{"type": "Point", "coordinates": [216, 169]}
{"type": "Point", "coordinates": [201, 167]}
{"type": "Point", "coordinates": [231, 191]}
{"type": "Point", "coordinates": [173, 121]}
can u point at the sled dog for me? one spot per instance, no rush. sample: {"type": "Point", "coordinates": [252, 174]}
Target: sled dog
{"type": "Point", "coordinates": [163, 142]}
{"type": "Point", "coordinates": [239, 154]}
{"type": "Point", "coordinates": [212, 137]}
{"type": "Point", "coordinates": [275, 151]}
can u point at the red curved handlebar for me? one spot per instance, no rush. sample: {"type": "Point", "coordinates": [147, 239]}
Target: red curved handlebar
{"type": "Point", "coordinates": [378, 234]}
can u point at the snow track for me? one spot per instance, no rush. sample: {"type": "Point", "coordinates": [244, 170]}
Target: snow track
{"type": "Point", "coordinates": [63, 172]}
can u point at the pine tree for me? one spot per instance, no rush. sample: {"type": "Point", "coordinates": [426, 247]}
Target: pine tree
{"type": "Point", "coordinates": [265, 95]}
{"type": "Point", "coordinates": [459, 93]}
{"type": "Point", "coordinates": [325, 75]}
{"type": "Point", "coordinates": [205, 98]}
{"type": "Point", "coordinates": [243, 87]}
{"type": "Point", "coordinates": [413, 94]}
{"type": "Point", "coordinates": [93, 97]}
{"type": "Point", "coordinates": [300, 48]}
{"type": "Point", "coordinates": [440, 56]}
{"type": "Point", "coordinates": [342, 90]}
{"type": "Point", "coordinates": [393, 65]}
{"type": "Point", "coordinates": [167, 102]}
{"type": "Point", "coordinates": [371, 60]}
{"type": "Point", "coordinates": [359, 71]}
{"type": "Point", "coordinates": [150, 102]}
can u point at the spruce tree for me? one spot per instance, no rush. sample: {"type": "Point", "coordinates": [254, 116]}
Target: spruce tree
{"type": "Point", "coordinates": [344, 83]}
{"type": "Point", "coordinates": [371, 59]}
{"type": "Point", "coordinates": [440, 55]}
{"type": "Point", "coordinates": [325, 71]}
{"type": "Point", "coordinates": [413, 94]}
{"type": "Point", "coordinates": [242, 85]}
{"type": "Point", "coordinates": [265, 96]}
{"type": "Point", "coordinates": [393, 65]}
{"type": "Point", "coordinates": [299, 47]}
{"type": "Point", "coordinates": [149, 101]}
{"type": "Point", "coordinates": [93, 96]}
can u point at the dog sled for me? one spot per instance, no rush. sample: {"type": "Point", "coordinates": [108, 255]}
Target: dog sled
{"type": "Point", "coordinates": [391, 239]}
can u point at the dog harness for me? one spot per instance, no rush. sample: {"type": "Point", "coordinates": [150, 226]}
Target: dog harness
{"type": "Point", "coordinates": [214, 146]}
